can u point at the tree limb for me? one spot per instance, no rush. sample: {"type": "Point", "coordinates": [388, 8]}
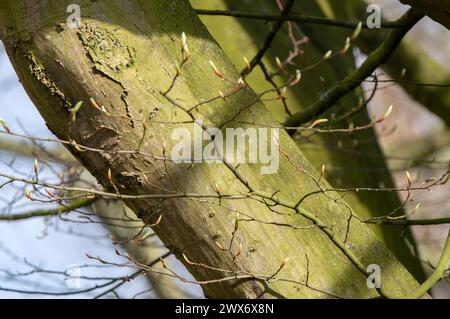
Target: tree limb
{"type": "Point", "coordinates": [293, 17]}
{"type": "Point", "coordinates": [438, 10]}
{"type": "Point", "coordinates": [373, 61]}
{"type": "Point", "coordinates": [437, 274]}
{"type": "Point", "coordinates": [76, 204]}
{"type": "Point", "coordinates": [127, 75]}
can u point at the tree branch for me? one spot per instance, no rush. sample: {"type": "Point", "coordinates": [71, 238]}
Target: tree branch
{"type": "Point", "coordinates": [76, 204]}
{"type": "Point", "coordinates": [130, 95]}
{"type": "Point", "coordinates": [410, 222]}
{"type": "Point", "coordinates": [437, 274]}
{"type": "Point", "coordinates": [269, 39]}
{"type": "Point", "coordinates": [420, 66]}
{"type": "Point", "coordinates": [373, 61]}
{"type": "Point", "coordinates": [293, 17]}
{"type": "Point", "coordinates": [438, 10]}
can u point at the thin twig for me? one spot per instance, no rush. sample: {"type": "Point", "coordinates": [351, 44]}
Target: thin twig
{"type": "Point", "coordinates": [269, 39]}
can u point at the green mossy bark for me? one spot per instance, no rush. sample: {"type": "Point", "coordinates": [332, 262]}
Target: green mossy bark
{"type": "Point", "coordinates": [123, 57]}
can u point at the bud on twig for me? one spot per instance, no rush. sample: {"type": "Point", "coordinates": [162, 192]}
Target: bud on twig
{"type": "Point", "coordinates": [215, 188]}
{"type": "Point", "coordinates": [109, 175]}
{"type": "Point", "coordinates": [247, 64]}
{"type": "Point", "coordinates": [241, 81]}
{"type": "Point", "coordinates": [74, 144]}
{"type": "Point", "coordinates": [240, 249]}
{"type": "Point", "coordinates": [94, 103]}
{"type": "Point", "coordinates": [164, 148]}
{"type": "Point", "coordinates": [35, 166]}
{"type": "Point", "coordinates": [388, 112]}
{"type": "Point", "coordinates": [28, 195]}
{"type": "Point", "coordinates": [98, 107]}
{"type": "Point", "coordinates": [357, 31]}
{"type": "Point", "coordinates": [158, 221]}
{"type": "Point", "coordinates": [298, 77]}
{"type": "Point", "coordinates": [415, 209]}
{"type": "Point", "coordinates": [236, 225]}
{"type": "Point", "coordinates": [283, 264]}
{"type": "Point", "coordinates": [184, 47]}
{"type": "Point", "coordinates": [327, 55]}
{"type": "Point", "coordinates": [220, 246]}
{"type": "Point", "coordinates": [216, 70]}
{"type": "Point", "coordinates": [285, 261]}
{"type": "Point", "coordinates": [402, 75]}
{"type": "Point", "coordinates": [279, 64]}
{"type": "Point", "coordinates": [75, 109]}
{"type": "Point", "coordinates": [186, 259]}
{"type": "Point", "coordinates": [346, 46]}
{"type": "Point", "coordinates": [282, 93]}
{"type": "Point", "coordinates": [408, 177]}
{"type": "Point", "coordinates": [317, 122]}
{"type": "Point", "coordinates": [5, 126]}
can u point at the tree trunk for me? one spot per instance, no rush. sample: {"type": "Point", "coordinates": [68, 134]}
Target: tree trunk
{"type": "Point", "coordinates": [123, 57]}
